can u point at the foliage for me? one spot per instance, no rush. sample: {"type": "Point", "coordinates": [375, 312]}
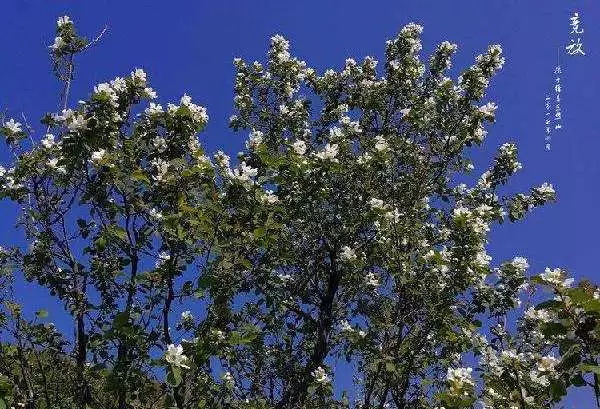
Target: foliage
{"type": "Point", "coordinates": [340, 235]}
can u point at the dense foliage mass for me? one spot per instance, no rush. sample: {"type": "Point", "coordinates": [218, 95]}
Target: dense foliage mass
{"type": "Point", "coordinates": [341, 238]}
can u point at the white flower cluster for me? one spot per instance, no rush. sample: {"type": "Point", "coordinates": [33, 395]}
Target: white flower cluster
{"type": "Point", "coordinates": [154, 109]}
{"type": "Point", "coordinates": [546, 188]}
{"type": "Point", "coordinates": [348, 329]}
{"type": "Point", "coordinates": [244, 173]}
{"type": "Point", "coordinates": [98, 156]}
{"type": "Point", "coordinates": [163, 257]}
{"type": "Point", "coordinates": [299, 146]}
{"type": "Point", "coordinates": [448, 47]}
{"type": "Point", "coordinates": [411, 33]}
{"type": "Point", "coordinates": [187, 317]}
{"type": "Point", "coordinates": [538, 315]}
{"type": "Point", "coordinates": [492, 59]}
{"type": "Point", "coordinates": [8, 180]}
{"type": "Point", "coordinates": [62, 21]}
{"type": "Point", "coordinates": [488, 110]}
{"type": "Point", "coordinates": [381, 144]}
{"type": "Point", "coordinates": [53, 164]}
{"type": "Point", "coordinates": [348, 254]}
{"type": "Point", "coordinates": [377, 204]}
{"type": "Point", "coordinates": [508, 153]}
{"type": "Point", "coordinates": [476, 223]}
{"type": "Point", "coordinates": [269, 197]}
{"type": "Point", "coordinates": [227, 378]}
{"type": "Point", "coordinates": [255, 139]}
{"type": "Point", "coordinates": [175, 356]}
{"type": "Point", "coordinates": [281, 47]}
{"type": "Point", "coordinates": [544, 193]}
{"type": "Point", "coordinates": [49, 141]}
{"type": "Point", "coordinates": [59, 42]}
{"type": "Point", "coordinates": [329, 152]}
{"type": "Point", "coordinates": [162, 168]}
{"type": "Point", "coordinates": [320, 375]}
{"type": "Point", "coordinates": [13, 126]}
{"type": "Point", "coordinates": [198, 112]}
{"type": "Point", "coordinates": [74, 121]}
{"type": "Point", "coordinates": [460, 380]}
{"type": "Point", "coordinates": [556, 277]}
{"type": "Point", "coordinates": [372, 280]}
{"type": "Point", "coordinates": [520, 264]}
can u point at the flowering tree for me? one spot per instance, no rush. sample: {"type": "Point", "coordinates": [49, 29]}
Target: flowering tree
{"type": "Point", "coordinates": [341, 238]}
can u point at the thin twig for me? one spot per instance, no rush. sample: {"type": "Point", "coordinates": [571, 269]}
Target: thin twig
{"type": "Point", "coordinates": [97, 39]}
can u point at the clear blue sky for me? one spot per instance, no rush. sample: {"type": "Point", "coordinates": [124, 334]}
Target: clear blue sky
{"type": "Point", "coordinates": [188, 46]}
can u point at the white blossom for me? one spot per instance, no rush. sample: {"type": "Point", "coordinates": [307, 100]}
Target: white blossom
{"type": "Point", "coordinates": [299, 147]}
{"type": "Point", "coordinates": [320, 375]}
{"type": "Point", "coordinates": [284, 277]}
{"type": "Point", "coordinates": [139, 75]}
{"type": "Point", "coordinates": [162, 167]}
{"type": "Point", "coordinates": [376, 203]}
{"type": "Point", "coordinates": [98, 155]}
{"type": "Point", "coordinates": [255, 139]}
{"type": "Point", "coordinates": [269, 197]}
{"type": "Point", "coordinates": [150, 93]}
{"type": "Point", "coordinates": [537, 315]}
{"type": "Point", "coordinates": [48, 141]}
{"type": "Point", "coordinates": [488, 109]}
{"type": "Point", "coordinates": [187, 316]}
{"type": "Point", "coordinates": [346, 327]}
{"type": "Point", "coordinates": [53, 164]}
{"type": "Point", "coordinates": [347, 254]}
{"type": "Point", "coordinates": [76, 123]}
{"type": "Point", "coordinates": [380, 144]}
{"type": "Point", "coordinates": [58, 43]}
{"type": "Point", "coordinates": [118, 84]}
{"type": "Point", "coordinates": [546, 188]}
{"type": "Point", "coordinates": [556, 277]}
{"type": "Point", "coordinates": [13, 126]}
{"type": "Point", "coordinates": [547, 363]}
{"type": "Point", "coordinates": [198, 112]}
{"type": "Point", "coordinates": [372, 280]}
{"type": "Point", "coordinates": [459, 378]}
{"type": "Point", "coordinates": [153, 109]}
{"type": "Point", "coordinates": [245, 173]}
{"type": "Point", "coordinates": [227, 378]}
{"type": "Point", "coordinates": [155, 214]}
{"type": "Point", "coordinates": [330, 151]}
{"type": "Point", "coordinates": [163, 257]}
{"type": "Point", "coordinates": [63, 20]}
{"type": "Point", "coordinates": [175, 356]}
{"type": "Point", "coordinates": [520, 263]}
{"type": "Point", "coordinates": [159, 143]}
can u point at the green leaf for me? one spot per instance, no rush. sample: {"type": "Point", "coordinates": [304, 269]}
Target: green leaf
{"type": "Point", "coordinates": [549, 305]}
{"type": "Point", "coordinates": [119, 232]}
{"type": "Point", "coordinates": [42, 313]}
{"type": "Point", "coordinates": [570, 359]}
{"type": "Point", "coordinates": [588, 368]}
{"type": "Point", "coordinates": [578, 381]}
{"type": "Point", "coordinates": [554, 328]}
{"type": "Point", "coordinates": [174, 377]}
{"type": "Point", "coordinates": [121, 320]}
{"type": "Point", "coordinates": [558, 389]}
{"type": "Point", "coordinates": [140, 176]}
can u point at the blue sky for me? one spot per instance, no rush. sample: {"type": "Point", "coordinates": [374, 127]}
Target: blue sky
{"type": "Point", "coordinates": [188, 46]}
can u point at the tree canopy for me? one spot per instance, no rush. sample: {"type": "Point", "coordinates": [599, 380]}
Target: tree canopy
{"type": "Point", "coordinates": [350, 232]}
